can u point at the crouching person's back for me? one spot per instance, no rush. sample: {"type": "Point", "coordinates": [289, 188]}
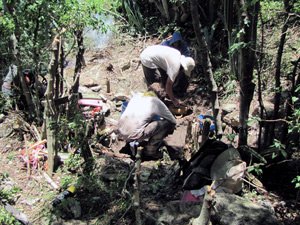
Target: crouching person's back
{"type": "Point", "coordinates": [146, 119]}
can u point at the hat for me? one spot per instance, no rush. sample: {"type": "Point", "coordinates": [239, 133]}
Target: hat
{"type": "Point", "coordinates": [175, 37]}
{"type": "Point", "coordinates": [188, 64]}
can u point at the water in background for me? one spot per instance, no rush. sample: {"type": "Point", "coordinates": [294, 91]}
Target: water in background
{"type": "Point", "coordinates": [96, 39]}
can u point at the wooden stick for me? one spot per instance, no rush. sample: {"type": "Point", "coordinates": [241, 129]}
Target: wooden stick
{"type": "Point", "coordinates": [28, 157]}
{"type": "Point", "coordinates": [37, 144]}
{"type": "Point", "coordinates": [205, 132]}
{"type": "Point", "coordinates": [136, 187]}
{"type": "Point", "coordinates": [204, 217]}
{"type": "Point", "coordinates": [50, 181]}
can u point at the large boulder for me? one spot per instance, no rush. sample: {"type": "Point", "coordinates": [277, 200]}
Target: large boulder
{"type": "Point", "coordinates": [234, 210]}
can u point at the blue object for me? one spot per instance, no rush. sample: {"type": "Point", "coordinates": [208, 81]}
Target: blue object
{"type": "Point", "coordinates": [156, 118]}
{"type": "Point", "coordinates": [175, 37]}
{"type": "Point", "coordinates": [124, 106]}
{"type": "Point", "coordinates": [184, 50]}
{"type": "Point", "coordinates": [201, 121]}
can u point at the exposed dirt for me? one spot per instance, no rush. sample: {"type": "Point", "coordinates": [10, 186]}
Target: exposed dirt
{"type": "Point", "coordinates": [119, 65]}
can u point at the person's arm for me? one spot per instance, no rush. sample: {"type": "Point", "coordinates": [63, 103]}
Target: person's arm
{"type": "Point", "coordinates": [169, 90]}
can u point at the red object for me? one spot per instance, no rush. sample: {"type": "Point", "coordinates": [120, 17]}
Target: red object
{"type": "Point", "coordinates": [189, 197]}
{"type": "Point", "coordinates": [90, 106]}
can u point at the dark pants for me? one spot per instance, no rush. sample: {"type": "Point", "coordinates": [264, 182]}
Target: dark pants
{"type": "Point", "coordinates": [156, 131]}
{"type": "Point", "coordinates": [160, 76]}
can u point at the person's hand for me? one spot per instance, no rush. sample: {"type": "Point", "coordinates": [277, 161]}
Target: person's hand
{"type": "Point", "coordinates": [177, 103]}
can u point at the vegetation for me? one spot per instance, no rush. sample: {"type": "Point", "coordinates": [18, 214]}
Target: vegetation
{"type": "Point", "coordinates": [248, 49]}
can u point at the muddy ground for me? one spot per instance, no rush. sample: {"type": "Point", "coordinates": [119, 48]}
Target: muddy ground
{"type": "Point", "coordinates": [118, 64]}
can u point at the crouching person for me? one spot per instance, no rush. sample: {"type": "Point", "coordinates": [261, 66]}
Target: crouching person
{"type": "Point", "coordinates": [146, 119]}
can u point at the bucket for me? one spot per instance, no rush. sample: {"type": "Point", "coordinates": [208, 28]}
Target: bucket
{"type": "Point", "coordinates": [123, 106]}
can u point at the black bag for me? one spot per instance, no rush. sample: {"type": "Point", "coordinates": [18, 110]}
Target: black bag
{"type": "Point", "coordinates": [196, 172]}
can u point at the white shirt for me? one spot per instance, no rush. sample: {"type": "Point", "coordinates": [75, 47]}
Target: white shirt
{"type": "Point", "coordinates": [140, 111]}
{"type": "Point", "coordinates": [164, 57]}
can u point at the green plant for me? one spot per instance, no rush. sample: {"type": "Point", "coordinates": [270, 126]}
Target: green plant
{"type": "Point", "coordinates": [230, 88]}
{"type": "Point", "coordinates": [6, 218]}
{"type": "Point", "coordinates": [296, 181]}
{"type": "Point", "coordinates": [11, 156]}
{"type": "Point", "coordinates": [133, 14]}
{"type": "Point", "coordinates": [294, 125]}
{"type": "Point", "coordinates": [66, 181]}
{"type": "Point", "coordinates": [73, 162]}
{"type": "Point", "coordinates": [255, 168]}
{"type": "Point", "coordinates": [252, 120]}
{"type": "Point", "coordinates": [231, 137]}
{"type": "Point", "coordinates": [235, 47]}
{"type": "Point", "coordinates": [9, 194]}
{"type": "Point", "coordinates": [280, 147]}
{"type": "Point", "coordinates": [5, 103]}
{"type": "Point", "coordinates": [270, 9]}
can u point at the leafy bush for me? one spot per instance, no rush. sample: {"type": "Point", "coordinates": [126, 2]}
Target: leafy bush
{"type": "Point", "coordinates": [73, 162]}
{"type": "Point", "coordinates": [296, 181]}
{"type": "Point", "coordinates": [5, 104]}
{"type": "Point", "coordinates": [6, 218]}
{"type": "Point", "coordinates": [270, 9]}
{"type": "Point", "coordinates": [7, 194]}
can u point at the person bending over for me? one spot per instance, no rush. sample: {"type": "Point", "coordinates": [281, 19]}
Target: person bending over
{"type": "Point", "coordinates": [165, 65]}
{"type": "Point", "coordinates": [146, 118]}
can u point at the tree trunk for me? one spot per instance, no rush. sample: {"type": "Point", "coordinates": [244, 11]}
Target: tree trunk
{"type": "Point", "coordinates": [9, 7]}
{"type": "Point", "coordinates": [79, 60]}
{"type": "Point", "coordinates": [50, 109]}
{"type": "Point", "coordinates": [286, 139]}
{"type": "Point", "coordinates": [206, 63]}
{"type": "Point", "coordinates": [277, 75]}
{"type": "Point", "coordinates": [259, 83]}
{"type": "Point", "coordinates": [248, 12]}
{"type": "Point", "coordinates": [36, 59]}
{"type": "Point", "coordinates": [228, 23]}
{"type": "Point", "coordinates": [78, 67]}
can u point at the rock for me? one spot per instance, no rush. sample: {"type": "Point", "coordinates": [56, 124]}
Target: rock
{"type": "Point", "coordinates": [255, 108]}
{"type": "Point", "coordinates": [232, 119]}
{"type": "Point", "coordinates": [229, 107]}
{"type": "Point", "coordinates": [126, 66]}
{"type": "Point", "coordinates": [17, 214]}
{"type": "Point", "coordinates": [2, 118]}
{"type": "Point", "coordinates": [75, 208]}
{"type": "Point", "coordinates": [5, 129]}
{"type": "Point", "coordinates": [121, 97]}
{"type": "Point", "coordinates": [88, 82]}
{"type": "Point", "coordinates": [234, 210]}
{"type": "Point", "coordinates": [96, 88]}
{"type": "Point", "coordinates": [228, 209]}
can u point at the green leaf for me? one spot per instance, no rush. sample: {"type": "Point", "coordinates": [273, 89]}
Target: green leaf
{"type": "Point", "coordinates": [235, 47]}
{"type": "Point", "coordinates": [283, 153]}
{"type": "Point", "coordinates": [294, 99]}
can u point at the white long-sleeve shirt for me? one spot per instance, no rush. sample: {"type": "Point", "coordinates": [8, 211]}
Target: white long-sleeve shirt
{"type": "Point", "coordinates": [140, 111]}
{"type": "Point", "coordinates": [164, 57]}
